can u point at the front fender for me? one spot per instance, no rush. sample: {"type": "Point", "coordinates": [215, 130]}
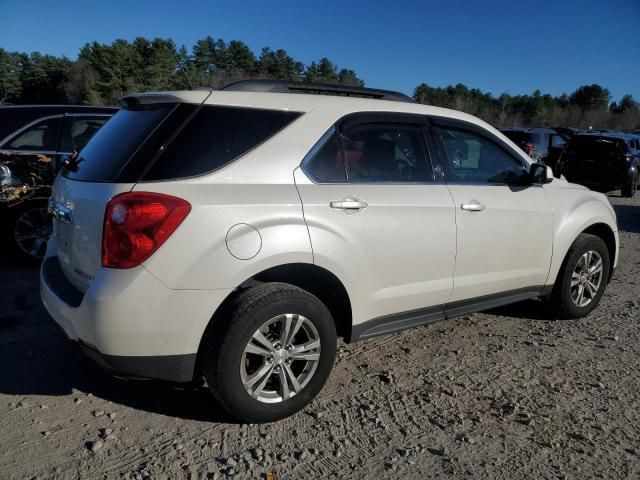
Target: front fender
{"type": "Point", "coordinates": [574, 212]}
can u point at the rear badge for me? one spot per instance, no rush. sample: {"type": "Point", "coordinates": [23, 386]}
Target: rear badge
{"type": "Point", "coordinates": [85, 275]}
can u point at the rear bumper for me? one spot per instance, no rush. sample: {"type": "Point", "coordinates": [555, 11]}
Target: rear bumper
{"type": "Point", "coordinates": [129, 322]}
{"type": "Point", "coordinates": [174, 368]}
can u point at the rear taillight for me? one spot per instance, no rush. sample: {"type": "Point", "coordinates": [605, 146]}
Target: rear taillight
{"type": "Point", "coordinates": [529, 147]}
{"type": "Point", "coordinates": [136, 224]}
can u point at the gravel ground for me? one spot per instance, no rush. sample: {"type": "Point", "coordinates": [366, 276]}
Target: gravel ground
{"type": "Point", "coordinates": [508, 393]}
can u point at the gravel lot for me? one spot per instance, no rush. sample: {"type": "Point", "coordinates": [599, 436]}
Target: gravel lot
{"type": "Point", "coordinates": [509, 393]}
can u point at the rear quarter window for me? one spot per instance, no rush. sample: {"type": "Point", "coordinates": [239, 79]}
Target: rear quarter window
{"type": "Point", "coordinates": [214, 137]}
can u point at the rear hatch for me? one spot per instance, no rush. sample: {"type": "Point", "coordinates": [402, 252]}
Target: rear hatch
{"type": "Point", "coordinates": [601, 151]}
{"type": "Point", "coordinates": [153, 138]}
{"type": "Point", "coordinates": [110, 164]}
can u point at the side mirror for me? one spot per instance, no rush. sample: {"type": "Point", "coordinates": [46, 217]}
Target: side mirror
{"type": "Point", "coordinates": [539, 173]}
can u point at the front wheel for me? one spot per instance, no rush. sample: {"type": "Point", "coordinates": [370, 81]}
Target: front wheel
{"type": "Point", "coordinates": [272, 355]}
{"type": "Point", "coordinates": [582, 278]}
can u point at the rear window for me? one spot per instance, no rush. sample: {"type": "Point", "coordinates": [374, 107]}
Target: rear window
{"type": "Point", "coordinates": [595, 145]}
{"type": "Point", "coordinates": [215, 137]}
{"type": "Point", "coordinates": [163, 142]}
{"type": "Point", "coordinates": [109, 151]}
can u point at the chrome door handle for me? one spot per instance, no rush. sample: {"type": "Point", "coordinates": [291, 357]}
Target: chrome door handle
{"type": "Point", "coordinates": [473, 206]}
{"type": "Point", "coordinates": [348, 204]}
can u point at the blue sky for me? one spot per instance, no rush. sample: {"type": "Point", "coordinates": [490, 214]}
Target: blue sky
{"type": "Point", "coordinates": [495, 45]}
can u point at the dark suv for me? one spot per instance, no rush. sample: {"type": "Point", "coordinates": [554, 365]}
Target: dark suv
{"type": "Point", "coordinates": [34, 140]}
{"type": "Point", "coordinates": [542, 144]}
{"type": "Point", "coordinates": [603, 160]}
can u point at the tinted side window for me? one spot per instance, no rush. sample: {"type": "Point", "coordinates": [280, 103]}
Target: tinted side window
{"type": "Point", "coordinates": [43, 136]}
{"type": "Point", "coordinates": [79, 131]}
{"type": "Point", "coordinates": [473, 158]}
{"type": "Point", "coordinates": [214, 137]}
{"type": "Point", "coordinates": [326, 164]}
{"type": "Point", "coordinates": [377, 152]}
{"type": "Point", "coordinates": [558, 141]}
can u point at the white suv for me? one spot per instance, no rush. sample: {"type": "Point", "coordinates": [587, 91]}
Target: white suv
{"type": "Point", "coordinates": [233, 235]}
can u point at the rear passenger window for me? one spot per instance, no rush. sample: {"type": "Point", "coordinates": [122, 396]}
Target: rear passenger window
{"type": "Point", "coordinates": [80, 131]}
{"type": "Point", "coordinates": [214, 137]}
{"type": "Point", "coordinates": [376, 152]}
{"type": "Point", "coordinates": [43, 136]}
{"type": "Point", "coordinates": [473, 158]}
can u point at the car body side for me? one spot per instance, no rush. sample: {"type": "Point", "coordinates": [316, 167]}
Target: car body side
{"type": "Point", "coordinates": [213, 253]}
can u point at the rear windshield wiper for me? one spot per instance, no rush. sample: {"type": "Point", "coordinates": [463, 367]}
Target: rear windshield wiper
{"type": "Point", "coordinates": [71, 162]}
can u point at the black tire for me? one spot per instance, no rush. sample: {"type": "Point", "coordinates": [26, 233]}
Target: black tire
{"type": "Point", "coordinates": [27, 252]}
{"type": "Point", "coordinates": [628, 189]}
{"type": "Point", "coordinates": [225, 340]}
{"type": "Point", "coordinates": [561, 302]}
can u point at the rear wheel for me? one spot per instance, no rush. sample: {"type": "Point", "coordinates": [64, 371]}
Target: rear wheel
{"type": "Point", "coordinates": [29, 228]}
{"type": "Point", "coordinates": [272, 356]}
{"type": "Point", "coordinates": [582, 278]}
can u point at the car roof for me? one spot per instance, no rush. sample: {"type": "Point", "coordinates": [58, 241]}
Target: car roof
{"type": "Point", "coordinates": [299, 102]}
{"type": "Point", "coordinates": [329, 108]}
{"type": "Point", "coordinates": [610, 134]}
{"type": "Point", "coordinates": [530, 130]}
{"type": "Point", "coordinates": [57, 108]}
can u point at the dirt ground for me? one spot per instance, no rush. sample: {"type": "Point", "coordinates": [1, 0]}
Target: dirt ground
{"type": "Point", "coordinates": [509, 393]}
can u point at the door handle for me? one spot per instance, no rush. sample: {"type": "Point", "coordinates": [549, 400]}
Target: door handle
{"type": "Point", "coordinates": [348, 204]}
{"type": "Point", "coordinates": [473, 206]}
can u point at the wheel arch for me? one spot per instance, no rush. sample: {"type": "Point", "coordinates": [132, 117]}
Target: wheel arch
{"type": "Point", "coordinates": [604, 231]}
{"type": "Point", "coordinates": [599, 226]}
{"type": "Point", "coordinates": [317, 280]}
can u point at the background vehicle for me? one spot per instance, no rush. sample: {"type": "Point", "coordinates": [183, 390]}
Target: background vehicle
{"type": "Point", "coordinates": [603, 160]}
{"type": "Point", "coordinates": [542, 144]}
{"type": "Point", "coordinates": [30, 157]}
{"type": "Point", "coordinates": [232, 235]}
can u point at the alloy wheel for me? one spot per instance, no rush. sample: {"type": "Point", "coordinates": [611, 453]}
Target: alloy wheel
{"type": "Point", "coordinates": [280, 358]}
{"type": "Point", "coordinates": [32, 230]}
{"type": "Point", "coordinates": [586, 278]}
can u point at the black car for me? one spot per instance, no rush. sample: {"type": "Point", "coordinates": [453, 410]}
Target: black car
{"type": "Point", "coordinates": [606, 161]}
{"type": "Point", "coordinates": [30, 157]}
{"type": "Point", "coordinates": [542, 144]}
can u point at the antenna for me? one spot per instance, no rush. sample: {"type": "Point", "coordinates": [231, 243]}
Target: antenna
{"type": "Point", "coordinates": [184, 73]}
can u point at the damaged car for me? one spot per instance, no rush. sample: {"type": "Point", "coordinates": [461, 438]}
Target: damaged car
{"type": "Point", "coordinates": [30, 157]}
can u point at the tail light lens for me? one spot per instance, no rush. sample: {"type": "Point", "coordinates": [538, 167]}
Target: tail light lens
{"type": "Point", "coordinates": [136, 224]}
{"type": "Point", "coordinates": [529, 147]}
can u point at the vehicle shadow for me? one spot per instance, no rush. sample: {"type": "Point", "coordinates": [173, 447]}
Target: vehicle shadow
{"type": "Point", "coordinates": [628, 218]}
{"type": "Point", "coordinates": [36, 358]}
{"type": "Point", "coordinates": [529, 309]}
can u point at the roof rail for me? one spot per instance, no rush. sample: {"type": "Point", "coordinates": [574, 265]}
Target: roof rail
{"type": "Point", "coordinates": [284, 86]}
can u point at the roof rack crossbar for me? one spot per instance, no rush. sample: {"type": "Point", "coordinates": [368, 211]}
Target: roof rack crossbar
{"type": "Point", "coordinates": [284, 86]}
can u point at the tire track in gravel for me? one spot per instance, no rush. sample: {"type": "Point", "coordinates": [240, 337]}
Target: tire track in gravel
{"type": "Point", "coordinates": [503, 394]}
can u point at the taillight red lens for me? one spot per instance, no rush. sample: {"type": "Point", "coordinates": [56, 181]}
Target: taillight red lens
{"type": "Point", "coordinates": [529, 147]}
{"type": "Point", "coordinates": [136, 224]}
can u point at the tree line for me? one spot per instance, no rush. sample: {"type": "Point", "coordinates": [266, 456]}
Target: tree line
{"type": "Point", "coordinates": [102, 73]}
{"type": "Point", "coordinates": [588, 106]}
